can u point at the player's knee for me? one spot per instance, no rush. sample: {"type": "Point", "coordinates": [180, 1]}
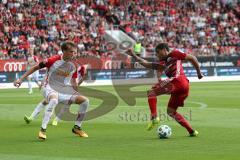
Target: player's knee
{"type": "Point", "coordinates": [81, 99]}
{"type": "Point", "coordinates": [171, 111]}
{"type": "Point", "coordinates": [150, 93]}
{"type": "Point", "coordinates": [53, 102]}
{"type": "Point", "coordinates": [44, 103]}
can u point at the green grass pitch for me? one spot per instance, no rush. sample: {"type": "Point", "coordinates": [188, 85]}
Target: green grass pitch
{"type": "Point", "coordinates": [213, 109]}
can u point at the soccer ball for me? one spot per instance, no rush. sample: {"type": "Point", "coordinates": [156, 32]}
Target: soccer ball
{"type": "Point", "coordinates": [164, 131]}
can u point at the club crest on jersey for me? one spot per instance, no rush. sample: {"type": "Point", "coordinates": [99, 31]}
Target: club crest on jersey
{"type": "Point", "coordinates": [63, 73]}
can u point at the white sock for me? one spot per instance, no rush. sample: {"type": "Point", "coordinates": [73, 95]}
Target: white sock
{"type": "Point", "coordinates": [37, 110]}
{"type": "Point", "coordinates": [30, 86]}
{"type": "Point", "coordinates": [48, 112]}
{"type": "Point", "coordinates": [81, 113]}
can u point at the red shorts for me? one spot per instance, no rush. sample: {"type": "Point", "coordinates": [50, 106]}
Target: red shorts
{"type": "Point", "coordinates": [177, 87]}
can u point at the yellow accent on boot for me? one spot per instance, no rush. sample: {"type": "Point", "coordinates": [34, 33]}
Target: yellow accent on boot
{"type": "Point", "coordinates": [79, 132]}
{"type": "Point", "coordinates": [153, 123]}
{"type": "Point", "coordinates": [42, 135]}
{"type": "Point", "coordinates": [55, 122]}
{"type": "Point", "coordinates": [27, 119]}
{"type": "Point", "coordinates": [194, 134]}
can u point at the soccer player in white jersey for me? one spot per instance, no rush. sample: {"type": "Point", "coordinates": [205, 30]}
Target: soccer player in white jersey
{"type": "Point", "coordinates": [81, 76]}
{"type": "Point", "coordinates": [61, 71]}
{"type": "Point", "coordinates": [32, 60]}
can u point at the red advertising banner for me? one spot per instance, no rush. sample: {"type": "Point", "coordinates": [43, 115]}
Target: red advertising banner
{"type": "Point", "coordinates": [118, 62]}
{"type": "Point", "coordinates": [12, 65]}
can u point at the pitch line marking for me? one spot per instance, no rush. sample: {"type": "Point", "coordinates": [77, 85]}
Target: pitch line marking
{"type": "Point", "coordinates": [201, 104]}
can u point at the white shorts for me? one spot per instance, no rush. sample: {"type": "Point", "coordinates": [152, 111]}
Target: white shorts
{"type": "Point", "coordinates": [65, 98]}
{"type": "Point", "coordinates": [34, 75]}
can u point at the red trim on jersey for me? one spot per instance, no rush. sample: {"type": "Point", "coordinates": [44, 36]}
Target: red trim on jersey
{"type": "Point", "coordinates": [82, 71]}
{"type": "Point", "coordinates": [50, 61]}
{"type": "Point", "coordinates": [75, 74]}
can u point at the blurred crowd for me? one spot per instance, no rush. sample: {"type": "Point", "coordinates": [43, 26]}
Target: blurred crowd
{"type": "Point", "coordinates": [200, 27]}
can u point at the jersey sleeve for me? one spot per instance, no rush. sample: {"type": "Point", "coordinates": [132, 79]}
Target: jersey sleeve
{"type": "Point", "coordinates": [178, 55]}
{"type": "Point", "coordinates": [82, 71]}
{"type": "Point", "coordinates": [75, 74]}
{"type": "Point", "coordinates": [50, 61]}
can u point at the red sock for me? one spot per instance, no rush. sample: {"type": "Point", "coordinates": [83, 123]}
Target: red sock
{"type": "Point", "coordinates": [152, 102]}
{"type": "Point", "coordinates": [181, 120]}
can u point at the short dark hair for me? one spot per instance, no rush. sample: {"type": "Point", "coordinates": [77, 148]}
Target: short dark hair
{"type": "Point", "coordinates": [162, 46]}
{"type": "Point", "coordinates": [67, 45]}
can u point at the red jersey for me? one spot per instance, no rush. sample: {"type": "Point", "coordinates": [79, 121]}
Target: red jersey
{"type": "Point", "coordinates": [173, 64]}
{"type": "Point", "coordinates": [81, 72]}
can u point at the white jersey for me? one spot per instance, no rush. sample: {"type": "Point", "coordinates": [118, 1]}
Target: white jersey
{"type": "Point", "coordinates": [59, 72]}
{"type": "Point", "coordinates": [58, 79]}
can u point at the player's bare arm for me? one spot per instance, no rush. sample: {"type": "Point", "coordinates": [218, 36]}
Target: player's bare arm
{"type": "Point", "coordinates": [18, 82]}
{"type": "Point", "coordinates": [195, 63]}
{"type": "Point", "coordinates": [74, 84]}
{"type": "Point", "coordinates": [145, 63]}
{"type": "Point", "coordinates": [80, 82]}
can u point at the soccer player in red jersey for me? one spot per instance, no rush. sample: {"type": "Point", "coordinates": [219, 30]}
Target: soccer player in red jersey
{"type": "Point", "coordinates": [177, 84]}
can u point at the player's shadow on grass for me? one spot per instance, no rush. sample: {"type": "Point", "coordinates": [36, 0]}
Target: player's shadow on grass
{"type": "Point", "coordinates": [109, 103]}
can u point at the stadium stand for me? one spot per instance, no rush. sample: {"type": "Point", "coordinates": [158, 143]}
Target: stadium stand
{"type": "Point", "coordinates": [198, 27]}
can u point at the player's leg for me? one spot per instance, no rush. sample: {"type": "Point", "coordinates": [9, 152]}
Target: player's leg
{"type": "Point", "coordinates": [163, 87]}
{"type": "Point", "coordinates": [174, 102]}
{"type": "Point", "coordinates": [30, 84]}
{"type": "Point", "coordinates": [36, 111]}
{"type": "Point", "coordinates": [83, 105]}
{"type": "Point", "coordinates": [152, 102]}
{"type": "Point", "coordinates": [63, 110]}
{"type": "Point", "coordinates": [52, 103]}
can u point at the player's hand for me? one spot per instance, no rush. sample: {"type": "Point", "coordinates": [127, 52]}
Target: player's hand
{"type": "Point", "coordinates": [17, 83]}
{"type": "Point", "coordinates": [130, 52]}
{"type": "Point", "coordinates": [200, 75]}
